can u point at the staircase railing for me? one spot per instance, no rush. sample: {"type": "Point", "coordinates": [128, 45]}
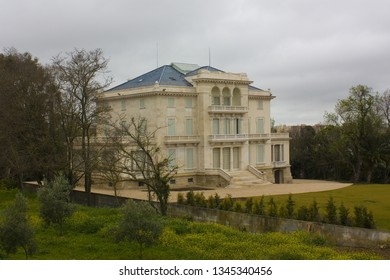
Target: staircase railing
{"type": "Point", "coordinates": [259, 174]}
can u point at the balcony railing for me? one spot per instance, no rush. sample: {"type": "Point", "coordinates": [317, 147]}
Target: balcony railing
{"type": "Point", "coordinates": [228, 137]}
{"type": "Point", "coordinates": [227, 109]}
{"type": "Point", "coordinates": [181, 139]}
{"type": "Point", "coordinates": [262, 136]}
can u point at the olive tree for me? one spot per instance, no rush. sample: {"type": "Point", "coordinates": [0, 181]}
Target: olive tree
{"type": "Point", "coordinates": [16, 229]}
{"type": "Point", "coordinates": [55, 205]}
{"type": "Point", "coordinates": [140, 223]}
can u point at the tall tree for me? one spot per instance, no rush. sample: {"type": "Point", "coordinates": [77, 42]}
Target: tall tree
{"type": "Point", "coordinates": [28, 121]}
{"type": "Point", "coordinates": [81, 75]}
{"type": "Point", "coordinates": [140, 159]}
{"type": "Point", "coordinates": [360, 124]}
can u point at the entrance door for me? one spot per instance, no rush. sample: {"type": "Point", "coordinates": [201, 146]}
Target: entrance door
{"type": "Point", "coordinates": [236, 158]}
{"type": "Point", "coordinates": [226, 158]}
{"type": "Point", "coordinates": [278, 176]}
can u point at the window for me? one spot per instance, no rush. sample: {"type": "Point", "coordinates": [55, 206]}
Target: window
{"type": "Point", "coordinates": [189, 129]}
{"type": "Point", "coordinates": [188, 102]}
{"type": "Point", "coordinates": [171, 102]}
{"type": "Point", "coordinates": [278, 152]}
{"type": "Point", "coordinates": [124, 127]}
{"type": "Point", "coordinates": [172, 158]}
{"type": "Point", "coordinates": [226, 126]}
{"type": "Point", "coordinates": [260, 149]}
{"type": "Point", "coordinates": [189, 158]}
{"type": "Point", "coordinates": [216, 100]}
{"type": "Point", "coordinates": [143, 126]}
{"type": "Point", "coordinates": [171, 127]}
{"type": "Point", "coordinates": [138, 160]}
{"type": "Point", "coordinates": [123, 105]}
{"type": "Point", "coordinates": [215, 126]}
{"type": "Point", "coordinates": [237, 126]}
{"type": "Point", "coordinates": [226, 100]}
{"type": "Point", "coordinates": [260, 126]}
{"type": "Point", "coordinates": [142, 103]}
{"type": "Point", "coordinates": [260, 104]}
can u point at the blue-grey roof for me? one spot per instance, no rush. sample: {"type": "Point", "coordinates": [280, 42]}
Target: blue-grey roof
{"type": "Point", "coordinates": [209, 68]}
{"type": "Point", "coordinates": [165, 75]}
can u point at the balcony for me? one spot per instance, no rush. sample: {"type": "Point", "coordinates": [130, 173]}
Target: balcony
{"type": "Point", "coordinates": [280, 136]}
{"type": "Point", "coordinates": [171, 140]}
{"type": "Point", "coordinates": [228, 138]}
{"type": "Point", "coordinates": [269, 136]}
{"type": "Point", "coordinates": [277, 164]}
{"type": "Point", "coordinates": [227, 109]}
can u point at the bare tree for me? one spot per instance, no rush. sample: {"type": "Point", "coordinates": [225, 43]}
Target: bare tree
{"type": "Point", "coordinates": [81, 76]}
{"type": "Point", "coordinates": [142, 160]}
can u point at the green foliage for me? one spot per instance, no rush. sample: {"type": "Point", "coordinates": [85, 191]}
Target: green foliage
{"type": "Point", "coordinates": [290, 206]}
{"type": "Point", "coordinates": [344, 218]}
{"type": "Point", "coordinates": [272, 208]}
{"type": "Point", "coordinates": [363, 217]}
{"type": "Point", "coordinates": [180, 198]}
{"type": "Point", "coordinates": [249, 205]}
{"type": "Point", "coordinates": [303, 213]}
{"type": "Point", "coordinates": [200, 200]}
{"type": "Point", "coordinates": [259, 207]}
{"type": "Point", "coordinates": [141, 224]}
{"type": "Point", "coordinates": [190, 198]}
{"type": "Point", "coordinates": [16, 229]}
{"type": "Point", "coordinates": [55, 202]}
{"type": "Point", "coordinates": [331, 212]}
{"type": "Point", "coordinates": [314, 212]}
{"type": "Point", "coordinates": [227, 203]}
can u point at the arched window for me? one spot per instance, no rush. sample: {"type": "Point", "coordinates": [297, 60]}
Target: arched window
{"type": "Point", "coordinates": [226, 96]}
{"type": "Point", "coordinates": [236, 97]}
{"type": "Point", "coordinates": [215, 95]}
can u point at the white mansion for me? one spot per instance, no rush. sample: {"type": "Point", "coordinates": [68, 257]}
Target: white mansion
{"type": "Point", "coordinates": [215, 126]}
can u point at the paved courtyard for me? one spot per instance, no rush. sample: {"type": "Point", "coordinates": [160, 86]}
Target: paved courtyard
{"type": "Point", "coordinates": [298, 186]}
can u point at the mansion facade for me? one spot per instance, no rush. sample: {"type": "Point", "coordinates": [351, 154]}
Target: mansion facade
{"type": "Point", "coordinates": [214, 125]}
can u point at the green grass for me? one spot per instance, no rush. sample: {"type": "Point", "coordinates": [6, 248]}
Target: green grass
{"type": "Point", "coordinates": [88, 235]}
{"type": "Point", "coordinates": [375, 197]}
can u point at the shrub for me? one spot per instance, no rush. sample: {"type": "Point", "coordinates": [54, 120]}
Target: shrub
{"type": "Point", "coordinates": [303, 213]}
{"type": "Point", "coordinates": [331, 212]}
{"type": "Point", "coordinates": [237, 207]}
{"type": "Point", "coordinates": [272, 208]}
{"type": "Point", "coordinates": [314, 212]}
{"type": "Point", "coordinates": [290, 206]}
{"type": "Point", "coordinates": [363, 217]}
{"type": "Point", "coordinates": [180, 198]}
{"type": "Point", "coordinates": [258, 207]}
{"type": "Point", "coordinates": [200, 200]}
{"type": "Point", "coordinates": [55, 202]}
{"type": "Point", "coordinates": [227, 203]}
{"type": "Point", "coordinates": [211, 202]}
{"type": "Point", "coordinates": [190, 198]}
{"type": "Point", "coordinates": [249, 205]}
{"type": "Point", "coordinates": [217, 200]}
{"type": "Point", "coordinates": [344, 215]}
{"type": "Point", "coordinates": [141, 224]}
{"type": "Point", "coordinates": [16, 229]}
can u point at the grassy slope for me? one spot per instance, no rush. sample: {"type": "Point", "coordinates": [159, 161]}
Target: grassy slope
{"type": "Point", "coordinates": [375, 197]}
{"type": "Point", "coordinates": [89, 235]}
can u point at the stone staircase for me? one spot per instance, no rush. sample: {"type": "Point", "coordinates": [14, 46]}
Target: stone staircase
{"type": "Point", "coordinates": [244, 178]}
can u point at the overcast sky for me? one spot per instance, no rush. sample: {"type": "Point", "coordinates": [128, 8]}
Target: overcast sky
{"type": "Point", "coordinates": [308, 52]}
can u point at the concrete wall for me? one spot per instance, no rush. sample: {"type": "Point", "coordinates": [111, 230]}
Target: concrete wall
{"type": "Point", "coordinates": [339, 235]}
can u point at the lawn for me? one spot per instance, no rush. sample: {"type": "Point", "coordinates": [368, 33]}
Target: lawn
{"type": "Point", "coordinates": [89, 236]}
{"type": "Point", "coordinates": [374, 196]}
